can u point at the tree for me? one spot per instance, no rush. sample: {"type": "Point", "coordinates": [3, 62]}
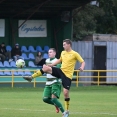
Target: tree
{"type": "Point", "coordinates": [92, 19]}
{"type": "Point", "coordinates": [108, 22]}
{"type": "Point", "coordinates": [84, 22]}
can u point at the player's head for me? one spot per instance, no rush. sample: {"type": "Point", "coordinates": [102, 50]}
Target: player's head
{"type": "Point", "coordinates": [67, 44]}
{"type": "Point", "coordinates": [52, 53]}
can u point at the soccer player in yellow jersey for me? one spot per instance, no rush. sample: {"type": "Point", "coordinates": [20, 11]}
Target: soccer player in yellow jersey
{"type": "Point", "coordinates": [68, 59]}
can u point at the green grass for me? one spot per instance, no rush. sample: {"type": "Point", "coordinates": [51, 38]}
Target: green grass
{"type": "Point", "coordinates": [85, 102]}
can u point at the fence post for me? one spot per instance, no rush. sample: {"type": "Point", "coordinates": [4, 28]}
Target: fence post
{"type": "Point", "coordinates": [12, 79]}
{"type": "Point", "coordinates": [77, 78]}
{"type": "Point", "coordinates": [34, 81]}
{"type": "Point", "coordinates": [98, 78]}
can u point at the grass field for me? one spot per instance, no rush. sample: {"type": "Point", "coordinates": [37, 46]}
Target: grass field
{"type": "Point", "coordinates": [85, 102]}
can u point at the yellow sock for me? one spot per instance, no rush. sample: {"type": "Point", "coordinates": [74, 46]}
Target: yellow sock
{"type": "Point", "coordinates": [67, 103]}
{"type": "Point", "coordinates": [38, 73]}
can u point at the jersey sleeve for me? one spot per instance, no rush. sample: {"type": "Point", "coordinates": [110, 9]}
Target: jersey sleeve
{"type": "Point", "coordinates": [46, 61]}
{"type": "Point", "coordinates": [58, 65]}
{"type": "Point", "coordinates": [60, 57]}
{"type": "Point", "coordinates": [78, 57]}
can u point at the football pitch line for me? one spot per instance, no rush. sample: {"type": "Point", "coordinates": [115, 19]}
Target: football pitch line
{"type": "Point", "coordinates": [71, 113]}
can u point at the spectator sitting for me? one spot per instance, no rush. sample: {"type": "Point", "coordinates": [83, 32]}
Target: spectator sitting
{"type": "Point", "coordinates": [4, 54]}
{"type": "Point", "coordinates": [39, 59]}
{"type": "Point", "coordinates": [16, 52]}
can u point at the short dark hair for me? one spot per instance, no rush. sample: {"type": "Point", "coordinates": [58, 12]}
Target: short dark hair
{"type": "Point", "coordinates": [53, 49]}
{"type": "Point", "coordinates": [68, 41]}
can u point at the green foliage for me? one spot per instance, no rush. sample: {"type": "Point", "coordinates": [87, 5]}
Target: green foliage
{"type": "Point", "coordinates": [92, 19]}
{"type": "Point", "coordinates": [108, 22]}
{"type": "Point", "coordinates": [84, 23]}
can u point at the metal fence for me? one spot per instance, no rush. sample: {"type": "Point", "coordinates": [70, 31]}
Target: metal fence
{"type": "Point", "coordinates": [76, 78]}
{"type": "Point", "coordinates": [97, 78]}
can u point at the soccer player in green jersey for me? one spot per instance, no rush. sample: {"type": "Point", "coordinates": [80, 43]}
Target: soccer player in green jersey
{"type": "Point", "coordinates": [52, 88]}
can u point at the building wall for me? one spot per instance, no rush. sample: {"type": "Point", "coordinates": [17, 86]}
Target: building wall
{"type": "Point", "coordinates": [6, 39]}
{"type": "Point", "coordinates": [110, 41]}
{"type": "Point", "coordinates": [111, 63]}
{"type": "Point", "coordinates": [85, 49]}
{"type": "Point", "coordinates": [9, 39]}
{"type": "Point", "coordinates": [63, 31]}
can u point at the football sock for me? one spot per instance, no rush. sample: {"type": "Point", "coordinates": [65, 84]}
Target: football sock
{"type": "Point", "coordinates": [48, 100]}
{"type": "Point", "coordinates": [58, 104]}
{"type": "Point", "coordinates": [67, 103]}
{"type": "Point", "coordinates": [38, 73]}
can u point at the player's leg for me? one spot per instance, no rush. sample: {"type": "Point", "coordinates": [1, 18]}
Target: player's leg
{"type": "Point", "coordinates": [46, 69]}
{"type": "Point", "coordinates": [53, 99]}
{"type": "Point", "coordinates": [66, 82]}
{"type": "Point", "coordinates": [67, 98]}
{"type": "Point", "coordinates": [47, 95]}
{"type": "Point", "coordinates": [56, 91]}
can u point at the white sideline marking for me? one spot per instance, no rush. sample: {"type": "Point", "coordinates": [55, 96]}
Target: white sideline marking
{"type": "Point", "coordinates": [85, 113]}
{"type": "Point", "coordinates": [72, 113]}
{"type": "Point", "coordinates": [23, 109]}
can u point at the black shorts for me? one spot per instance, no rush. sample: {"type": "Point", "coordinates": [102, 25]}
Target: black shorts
{"type": "Point", "coordinates": [66, 82]}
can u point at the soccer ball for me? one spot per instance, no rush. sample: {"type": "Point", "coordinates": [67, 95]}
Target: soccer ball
{"type": "Point", "coordinates": [20, 63]}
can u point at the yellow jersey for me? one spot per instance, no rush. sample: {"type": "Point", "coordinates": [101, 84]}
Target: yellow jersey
{"type": "Point", "coordinates": [69, 60]}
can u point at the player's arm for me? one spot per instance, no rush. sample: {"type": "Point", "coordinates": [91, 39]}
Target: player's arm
{"type": "Point", "coordinates": [80, 59]}
{"type": "Point", "coordinates": [82, 66]}
{"type": "Point", "coordinates": [56, 62]}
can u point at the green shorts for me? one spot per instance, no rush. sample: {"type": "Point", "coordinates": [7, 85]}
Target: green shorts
{"type": "Point", "coordinates": [52, 89]}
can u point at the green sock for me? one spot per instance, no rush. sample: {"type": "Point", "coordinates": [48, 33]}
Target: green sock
{"type": "Point", "coordinates": [48, 100]}
{"type": "Point", "coordinates": [58, 104]}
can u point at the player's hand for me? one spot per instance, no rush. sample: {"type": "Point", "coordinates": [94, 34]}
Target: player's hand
{"type": "Point", "coordinates": [81, 69]}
